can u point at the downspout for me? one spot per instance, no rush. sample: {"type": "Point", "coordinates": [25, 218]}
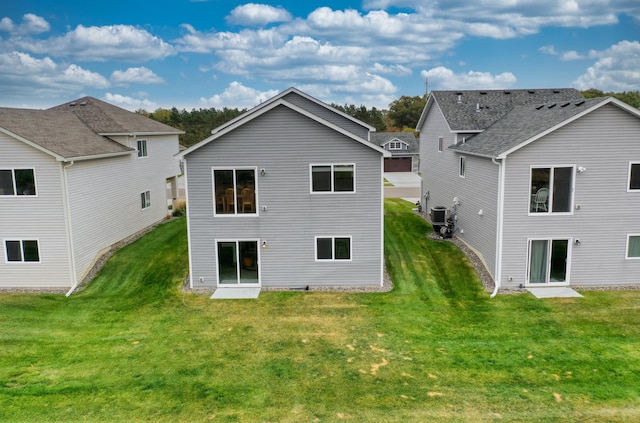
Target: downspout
{"type": "Point", "coordinates": [498, 275]}
{"type": "Point", "coordinates": [72, 259]}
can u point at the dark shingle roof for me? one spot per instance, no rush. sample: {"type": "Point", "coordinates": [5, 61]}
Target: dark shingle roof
{"type": "Point", "coordinates": [80, 128]}
{"type": "Point", "coordinates": [381, 138]}
{"type": "Point", "coordinates": [523, 123]}
{"type": "Point", "coordinates": [105, 118]}
{"type": "Point", "coordinates": [476, 110]}
{"type": "Point", "coordinates": [58, 132]}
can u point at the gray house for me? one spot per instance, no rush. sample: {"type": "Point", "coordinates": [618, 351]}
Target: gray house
{"type": "Point", "coordinates": [288, 194]}
{"type": "Point", "coordinates": [404, 150]}
{"type": "Point", "coordinates": [74, 180]}
{"type": "Point", "coordinates": [543, 184]}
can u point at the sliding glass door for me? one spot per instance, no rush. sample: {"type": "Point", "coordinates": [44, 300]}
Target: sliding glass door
{"type": "Point", "coordinates": [549, 261]}
{"type": "Point", "coordinates": [238, 263]}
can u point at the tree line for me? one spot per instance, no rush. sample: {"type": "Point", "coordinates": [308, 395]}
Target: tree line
{"type": "Point", "coordinates": [402, 115]}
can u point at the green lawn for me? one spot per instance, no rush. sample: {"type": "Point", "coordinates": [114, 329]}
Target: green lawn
{"type": "Point", "coordinates": [133, 347]}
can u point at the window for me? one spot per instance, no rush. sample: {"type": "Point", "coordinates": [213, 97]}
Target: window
{"type": "Point", "coordinates": [235, 191]}
{"type": "Point", "coordinates": [333, 178]}
{"type": "Point", "coordinates": [21, 251]}
{"type": "Point", "coordinates": [633, 246]}
{"type": "Point", "coordinates": [17, 182]}
{"type": "Point", "coordinates": [551, 190]}
{"type": "Point", "coordinates": [145, 199]}
{"type": "Point", "coordinates": [333, 248]}
{"type": "Point", "coordinates": [548, 261]}
{"type": "Point", "coordinates": [142, 148]}
{"type": "Point", "coordinates": [463, 165]}
{"type": "Point", "coordinates": [440, 144]}
{"type": "Point", "coordinates": [395, 145]}
{"type": "Point", "coordinates": [634, 176]}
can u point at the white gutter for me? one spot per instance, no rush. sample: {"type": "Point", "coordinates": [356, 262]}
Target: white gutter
{"type": "Point", "coordinates": [67, 214]}
{"type": "Point", "coordinates": [498, 273]}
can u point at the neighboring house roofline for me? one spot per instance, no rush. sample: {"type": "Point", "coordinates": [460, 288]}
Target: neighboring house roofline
{"type": "Point", "coordinates": [425, 112]}
{"type": "Point", "coordinates": [605, 101]}
{"type": "Point", "coordinates": [98, 156]}
{"type": "Point", "coordinates": [58, 157]}
{"type": "Point", "coordinates": [431, 99]}
{"type": "Point", "coordinates": [139, 134]}
{"type": "Point", "coordinates": [282, 95]}
{"type": "Point", "coordinates": [254, 113]}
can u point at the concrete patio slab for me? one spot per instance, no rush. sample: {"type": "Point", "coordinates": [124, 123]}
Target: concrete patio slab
{"type": "Point", "coordinates": [554, 292]}
{"type": "Point", "coordinates": [235, 294]}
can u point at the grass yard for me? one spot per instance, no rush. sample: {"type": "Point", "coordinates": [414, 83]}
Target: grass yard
{"type": "Point", "coordinates": [133, 347]}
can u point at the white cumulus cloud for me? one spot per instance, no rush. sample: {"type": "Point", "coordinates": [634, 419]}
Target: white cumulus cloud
{"type": "Point", "coordinates": [23, 76]}
{"type": "Point", "coordinates": [101, 44]}
{"type": "Point", "coordinates": [237, 95]}
{"type": "Point", "coordinates": [258, 14]}
{"type": "Point", "coordinates": [130, 103]}
{"type": "Point", "coordinates": [617, 69]}
{"type": "Point", "coordinates": [442, 78]}
{"type": "Point", "coordinates": [139, 75]}
{"type": "Point", "coordinates": [31, 24]}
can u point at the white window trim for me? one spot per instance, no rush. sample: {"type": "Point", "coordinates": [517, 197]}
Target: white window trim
{"type": "Point", "coordinates": [462, 167]}
{"type": "Point", "coordinates": [440, 144]}
{"type": "Point", "coordinates": [628, 178]}
{"type": "Point", "coordinates": [238, 241]}
{"type": "Point", "coordinates": [549, 212]}
{"type": "Point", "coordinates": [256, 190]}
{"type": "Point", "coordinates": [147, 198]}
{"type": "Point", "coordinates": [13, 180]}
{"type": "Point", "coordinates": [626, 251]}
{"type": "Point", "coordinates": [311, 191]}
{"type": "Point", "coordinates": [569, 255]}
{"type": "Point", "coordinates": [6, 255]}
{"type": "Point", "coordinates": [145, 149]}
{"type": "Point", "coordinates": [333, 253]}
{"type": "Point", "coordinates": [401, 145]}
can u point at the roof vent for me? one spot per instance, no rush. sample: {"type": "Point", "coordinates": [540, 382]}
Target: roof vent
{"type": "Point", "coordinates": [84, 103]}
{"type": "Point", "coordinates": [551, 106]}
{"type": "Point", "coordinates": [477, 107]}
{"type": "Point", "coordinates": [507, 92]}
{"type": "Point", "coordinates": [72, 104]}
{"type": "Point", "coordinates": [539, 107]}
{"type": "Point", "coordinates": [556, 91]}
{"type": "Point", "coordinates": [483, 93]}
{"type": "Point", "coordinates": [531, 91]}
{"type": "Point", "coordinates": [565, 104]}
{"type": "Point", "coordinates": [580, 103]}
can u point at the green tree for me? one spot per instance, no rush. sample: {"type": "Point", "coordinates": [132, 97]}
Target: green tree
{"type": "Point", "coordinates": [632, 98]}
{"type": "Point", "coordinates": [406, 111]}
{"type": "Point", "coordinates": [373, 117]}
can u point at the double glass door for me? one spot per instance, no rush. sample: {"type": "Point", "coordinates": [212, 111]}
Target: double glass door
{"type": "Point", "coordinates": [238, 263]}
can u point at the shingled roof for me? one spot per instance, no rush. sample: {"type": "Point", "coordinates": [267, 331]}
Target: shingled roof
{"type": "Point", "coordinates": [79, 129]}
{"type": "Point", "coordinates": [58, 133]}
{"type": "Point", "coordinates": [107, 119]}
{"type": "Point", "coordinates": [476, 110]}
{"type": "Point", "coordinates": [381, 138]}
{"type": "Point", "coordinates": [526, 123]}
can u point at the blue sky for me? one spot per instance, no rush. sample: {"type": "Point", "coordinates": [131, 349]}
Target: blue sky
{"type": "Point", "coordinates": [224, 53]}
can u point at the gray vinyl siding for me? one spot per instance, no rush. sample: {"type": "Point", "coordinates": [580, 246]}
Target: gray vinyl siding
{"type": "Point", "coordinates": [477, 191]}
{"type": "Point", "coordinates": [604, 142]}
{"type": "Point", "coordinates": [328, 115]}
{"type": "Point", "coordinates": [38, 217]}
{"type": "Point", "coordinates": [104, 197]}
{"type": "Point", "coordinates": [285, 143]}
